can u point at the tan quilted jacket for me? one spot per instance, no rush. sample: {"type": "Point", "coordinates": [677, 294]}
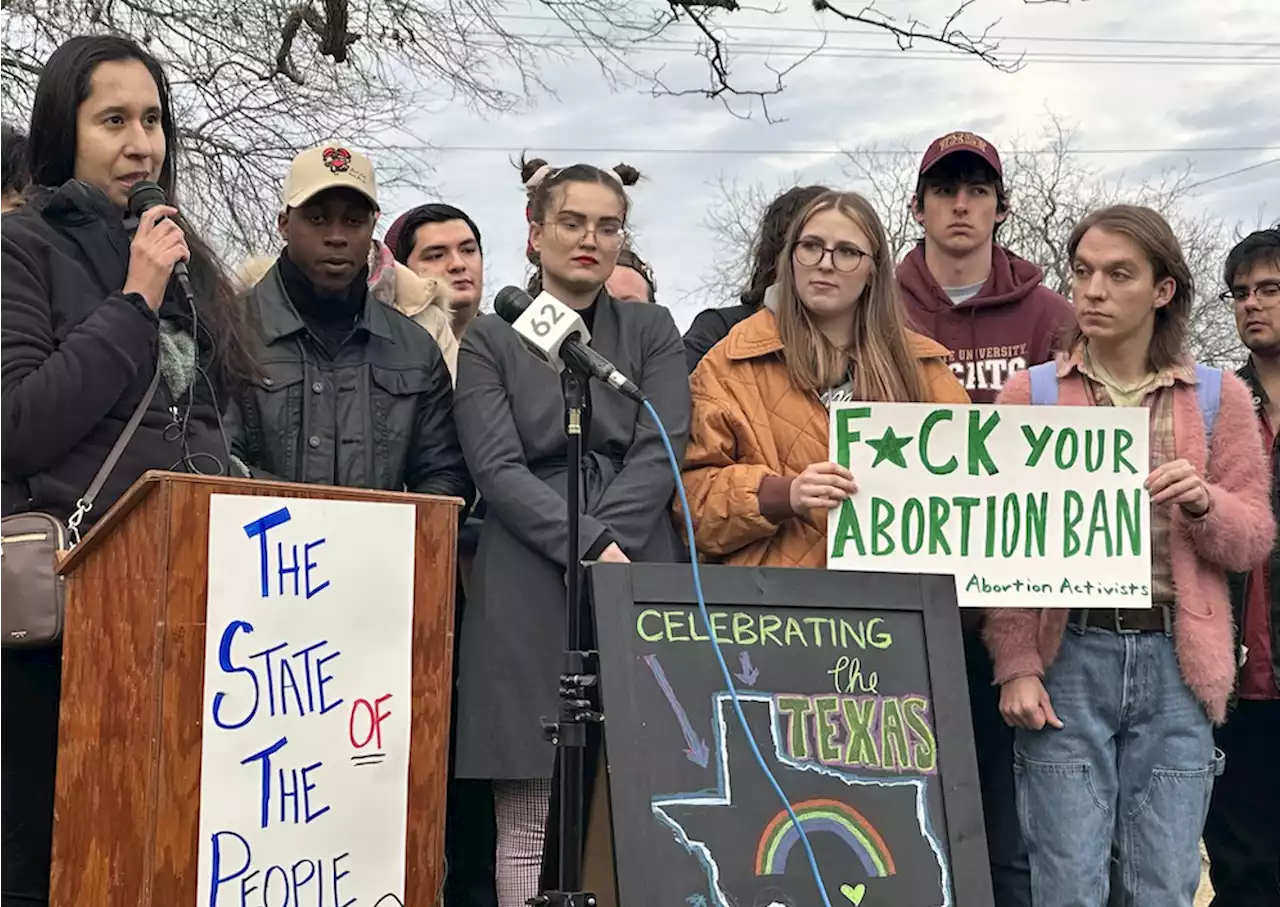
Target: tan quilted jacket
{"type": "Point", "coordinates": [752, 426]}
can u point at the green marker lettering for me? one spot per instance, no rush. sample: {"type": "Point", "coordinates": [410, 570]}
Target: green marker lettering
{"type": "Point", "coordinates": [793, 630]}
{"type": "Point", "coordinates": [1072, 512]}
{"type": "Point", "coordinates": [1095, 448]}
{"type": "Point", "coordinates": [848, 529]}
{"type": "Point", "coordinates": [770, 624]}
{"type": "Point", "coordinates": [966, 506]}
{"type": "Point", "coordinates": [744, 633]}
{"type": "Point", "coordinates": [1037, 444]}
{"type": "Point", "coordinates": [1012, 513]}
{"type": "Point", "coordinates": [926, 428]}
{"type": "Point", "coordinates": [1129, 521]}
{"type": "Point", "coordinates": [1100, 524]}
{"type": "Point", "coordinates": [1067, 449]}
{"type": "Point", "coordinates": [979, 456]}
{"type": "Point", "coordinates": [1037, 523]}
{"type": "Point", "coordinates": [881, 520]}
{"type": "Point", "coordinates": [1124, 441]}
{"type": "Point", "coordinates": [846, 437]}
{"type": "Point", "coordinates": [939, 513]}
{"type": "Point", "coordinates": [912, 526]}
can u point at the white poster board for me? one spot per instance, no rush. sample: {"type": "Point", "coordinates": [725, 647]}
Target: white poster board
{"type": "Point", "coordinates": [1028, 506]}
{"type": "Point", "coordinates": [304, 767]}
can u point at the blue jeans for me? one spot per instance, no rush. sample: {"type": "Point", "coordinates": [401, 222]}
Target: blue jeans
{"type": "Point", "coordinates": [1134, 762]}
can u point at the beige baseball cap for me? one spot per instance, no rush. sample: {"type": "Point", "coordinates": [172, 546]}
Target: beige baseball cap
{"type": "Point", "coordinates": [328, 166]}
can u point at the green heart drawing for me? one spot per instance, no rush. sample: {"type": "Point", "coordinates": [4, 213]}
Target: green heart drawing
{"type": "Point", "coordinates": [855, 895]}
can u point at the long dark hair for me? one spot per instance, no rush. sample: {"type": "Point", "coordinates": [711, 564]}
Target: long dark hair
{"type": "Point", "coordinates": [771, 240]}
{"type": "Point", "coordinates": [64, 85]}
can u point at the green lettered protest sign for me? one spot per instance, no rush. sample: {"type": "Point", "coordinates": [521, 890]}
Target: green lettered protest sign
{"type": "Point", "coordinates": [1029, 506]}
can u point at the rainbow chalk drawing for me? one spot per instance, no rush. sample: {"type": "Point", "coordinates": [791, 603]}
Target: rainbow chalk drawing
{"type": "Point", "coordinates": [822, 816]}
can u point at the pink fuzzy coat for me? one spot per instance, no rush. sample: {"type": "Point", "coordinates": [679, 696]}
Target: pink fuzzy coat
{"type": "Point", "coordinates": [1236, 534]}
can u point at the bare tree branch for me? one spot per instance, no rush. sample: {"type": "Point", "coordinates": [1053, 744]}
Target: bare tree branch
{"type": "Point", "coordinates": [949, 35]}
{"type": "Point", "coordinates": [254, 83]}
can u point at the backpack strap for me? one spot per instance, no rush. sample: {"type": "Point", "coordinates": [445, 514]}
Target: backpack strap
{"type": "Point", "coordinates": [1209, 396]}
{"type": "Point", "coordinates": [1044, 383]}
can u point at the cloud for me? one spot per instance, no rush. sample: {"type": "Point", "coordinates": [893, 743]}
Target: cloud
{"type": "Point", "coordinates": [857, 94]}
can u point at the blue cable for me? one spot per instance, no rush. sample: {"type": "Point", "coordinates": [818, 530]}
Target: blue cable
{"type": "Point", "coordinates": [724, 668]}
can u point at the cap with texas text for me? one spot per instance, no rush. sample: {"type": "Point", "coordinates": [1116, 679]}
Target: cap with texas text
{"type": "Point", "coordinates": [328, 166]}
{"type": "Point", "coordinates": [954, 142]}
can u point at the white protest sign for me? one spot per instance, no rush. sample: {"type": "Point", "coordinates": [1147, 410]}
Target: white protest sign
{"type": "Point", "coordinates": [1029, 506]}
{"type": "Point", "coordinates": [304, 767]}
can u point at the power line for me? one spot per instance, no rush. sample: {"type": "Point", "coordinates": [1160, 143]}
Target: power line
{"type": "Point", "coordinates": [1047, 39]}
{"type": "Point", "coordinates": [514, 149]}
{"type": "Point", "coordinates": [918, 54]}
{"type": "Point", "coordinates": [1230, 173]}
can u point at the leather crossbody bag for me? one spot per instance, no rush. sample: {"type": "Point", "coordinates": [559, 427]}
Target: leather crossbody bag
{"type": "Point", "coordinates": [31, 544]}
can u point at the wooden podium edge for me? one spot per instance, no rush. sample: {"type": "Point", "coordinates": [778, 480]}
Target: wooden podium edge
{"type": "Point", "coordinates": [152, 478]}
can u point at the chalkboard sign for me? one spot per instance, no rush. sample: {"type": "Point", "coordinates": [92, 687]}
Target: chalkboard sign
{"type": "Point", "coordinates": [853, 685]}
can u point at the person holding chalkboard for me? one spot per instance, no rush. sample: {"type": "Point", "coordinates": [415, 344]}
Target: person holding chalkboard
{"type": "Point", "coordinates": [91, 315]}
{"type": "Point", "coordinates": [510, 413]}
{"type": "Point", "coordinates": [756, 471]}
{"type": "Point", "coordinates": [1114, 710]}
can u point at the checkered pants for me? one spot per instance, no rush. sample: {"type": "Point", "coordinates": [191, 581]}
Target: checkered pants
{"type": "Point", "coordinates": [520, 808]}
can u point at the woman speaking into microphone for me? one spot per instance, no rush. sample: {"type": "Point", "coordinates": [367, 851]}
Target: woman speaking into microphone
{"type": "Point", "coordinates": [90, 316]}
{"type": "Point", "coordinates": [510, 412]}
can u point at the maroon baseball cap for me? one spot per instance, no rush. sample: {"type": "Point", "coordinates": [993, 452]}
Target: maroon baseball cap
{"type": "Point", "coordinates": [955, 142]}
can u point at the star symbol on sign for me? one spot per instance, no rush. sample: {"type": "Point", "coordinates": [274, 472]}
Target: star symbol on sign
{"type": "Point", "coordinates": [889, 448]}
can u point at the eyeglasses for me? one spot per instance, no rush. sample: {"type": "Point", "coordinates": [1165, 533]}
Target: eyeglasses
{"type": "Point", "coordinates": [1267, 293]}
{"type": "Point", "coordinates": [810, 253]}
{"type": "Point", "coordinates": [570, 232]}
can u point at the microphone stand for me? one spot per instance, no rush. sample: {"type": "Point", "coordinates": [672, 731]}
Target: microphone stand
{"type": "Point", "coordinates": [578, 680]}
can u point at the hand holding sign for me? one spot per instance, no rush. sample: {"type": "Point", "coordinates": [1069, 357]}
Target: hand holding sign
{"type": "Point", "coordinates": [821, 485]}
{"type": "Point", "coordinates": [1177, 482]}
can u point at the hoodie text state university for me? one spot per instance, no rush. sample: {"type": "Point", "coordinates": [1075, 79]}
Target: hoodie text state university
{"type": "Point", "coordinates": [1012, 323]}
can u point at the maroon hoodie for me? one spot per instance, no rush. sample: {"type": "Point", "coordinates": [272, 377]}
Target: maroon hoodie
{"type": "Point", "coordinates": [1012, 323]}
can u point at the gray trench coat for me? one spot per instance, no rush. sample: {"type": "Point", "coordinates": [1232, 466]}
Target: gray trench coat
{"type": "Point", "coordinates": [510, 414]}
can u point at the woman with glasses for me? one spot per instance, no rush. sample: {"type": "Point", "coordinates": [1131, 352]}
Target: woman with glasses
{"type": "Point", "coordinates": [757, 470]}
{"type": "Point", "coordinates": [510, 412]}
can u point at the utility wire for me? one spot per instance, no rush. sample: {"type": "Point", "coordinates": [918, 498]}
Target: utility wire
{"type": "Point", "coordinates": [772, 29]}
{"type": "Point", "coordinates": [1230, 173]}
{"type": "Point", "coordinates": [516, 149]}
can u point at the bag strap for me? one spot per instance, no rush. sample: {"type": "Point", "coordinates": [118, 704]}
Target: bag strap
{"type": "Point", "coordinates": [1044, 383]}
{"type": "Point", "coordinates": [85, 504]}
{"type": "Point", "coordinates": [1208, 395]}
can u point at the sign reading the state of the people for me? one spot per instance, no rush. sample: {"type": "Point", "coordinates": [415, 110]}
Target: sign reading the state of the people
{"type": "Point", "coordinates": [1029, 506]}
{"type": "Point", "coordinates": [305, 754]}
{"type": "Point", "coordinates": [852, 686]}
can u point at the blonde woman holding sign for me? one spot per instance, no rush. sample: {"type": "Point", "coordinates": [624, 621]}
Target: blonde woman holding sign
{"type": "Point", "coordinates": [757, 468]}
{"type": "Point", "coordinates": [1115, 710]}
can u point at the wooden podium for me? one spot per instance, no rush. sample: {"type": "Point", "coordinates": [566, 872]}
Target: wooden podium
{"type": "Point", "coordinates": [129, 742]}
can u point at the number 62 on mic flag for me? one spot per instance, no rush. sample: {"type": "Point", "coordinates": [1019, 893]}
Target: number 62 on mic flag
{"type": "Point", "coordinates": [546, 324]}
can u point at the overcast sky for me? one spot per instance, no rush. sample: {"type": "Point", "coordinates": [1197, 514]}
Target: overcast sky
{"type": "Point", "coordinates": [1197, 92]}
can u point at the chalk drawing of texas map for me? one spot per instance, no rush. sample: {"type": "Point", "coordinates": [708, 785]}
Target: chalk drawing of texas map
{"type": "Point", "coordinates": [872, 837]}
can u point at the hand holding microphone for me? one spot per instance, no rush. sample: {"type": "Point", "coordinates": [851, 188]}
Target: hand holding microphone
{"type": "Point", "coordinates": [556, 334]}
{"type": "Point", "coordinates": [159, 249]}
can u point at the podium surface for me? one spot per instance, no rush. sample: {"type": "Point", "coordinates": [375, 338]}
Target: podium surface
{"type": "Point", "coordinates": [127, 814]}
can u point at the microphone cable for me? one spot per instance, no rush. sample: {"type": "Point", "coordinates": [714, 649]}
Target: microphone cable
{"type": "Point", "coordinates": [724, 667]}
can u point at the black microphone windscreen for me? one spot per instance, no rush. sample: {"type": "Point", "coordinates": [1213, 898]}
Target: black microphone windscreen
{"type": "Point", "coordinates": [510, 303]}
{"type": "Point", "coordinates": [145, 195]}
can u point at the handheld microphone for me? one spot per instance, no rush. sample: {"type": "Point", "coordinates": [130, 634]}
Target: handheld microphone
{"type": "Point", "coordinates": [144, 196]}
{"type": "Point", "coordinates": [556, 334]}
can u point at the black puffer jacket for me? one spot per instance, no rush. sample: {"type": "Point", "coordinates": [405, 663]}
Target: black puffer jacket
{"type": "Point", "coordinates": [77, 357]}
